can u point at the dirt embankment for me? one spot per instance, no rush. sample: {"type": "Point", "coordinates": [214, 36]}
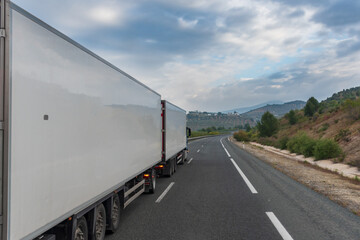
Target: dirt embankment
{"type": "Point", "coordinates": [339, 189]}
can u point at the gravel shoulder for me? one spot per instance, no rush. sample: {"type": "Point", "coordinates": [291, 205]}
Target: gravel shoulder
{"type": "Point", "coordinates": [337, 188]}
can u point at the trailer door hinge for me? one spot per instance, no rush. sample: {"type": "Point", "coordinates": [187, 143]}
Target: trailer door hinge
{"type": "Point", "coordinates": [2, 32]}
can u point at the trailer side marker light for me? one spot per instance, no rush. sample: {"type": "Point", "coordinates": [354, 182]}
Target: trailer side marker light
{"type": "Point", "coordinates": [161, 166]}
{"type": "Point", "coordinates": [70, 218]}
{"type": "Point", "coordinates": [146, 175]}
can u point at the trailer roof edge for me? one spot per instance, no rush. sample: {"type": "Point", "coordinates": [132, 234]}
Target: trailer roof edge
{"type": "Point", "coordinates": [68, 39]}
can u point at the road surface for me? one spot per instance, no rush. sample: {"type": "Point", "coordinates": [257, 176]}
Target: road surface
{"type": "Point", "coordinates": [223, 192]}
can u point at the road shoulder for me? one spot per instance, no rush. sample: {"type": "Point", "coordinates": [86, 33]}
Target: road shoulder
{"type": "Point", "coordinates": [337, 188]}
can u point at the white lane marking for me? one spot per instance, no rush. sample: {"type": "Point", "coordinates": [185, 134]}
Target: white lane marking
{"type": "Point", "coordinates": [225, 148]}
{"type": "Point", "coordinates": [227, 152]}
{"type": "Point", "coordinates": [202, 145]}
{"type": "Point", "coordinates": [248, 183]}
{"type": "Point", "coordinates": [284, 234]}
{"type": "Point", "coordinates": [190, 160]}
{"type": "Point", "coordinates": [198, 150]}
{"type": "Point", "coordinates": [164, 193]}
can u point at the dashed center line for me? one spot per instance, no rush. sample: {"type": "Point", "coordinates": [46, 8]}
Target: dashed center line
{"type": "Point", "coordinates": [248, 183]}
{"type": "Point", "coordinates": [284, 234]}
{"type": "Point", "coordinates": [190, 160]}
{"type": "Point", "coordinates": [198, 150]}
{"type": "Point", "coordinates": [165, 192]}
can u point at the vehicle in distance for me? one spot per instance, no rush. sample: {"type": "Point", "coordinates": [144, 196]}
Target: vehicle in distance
{"type": "Point", "coordinates": [81, 139]}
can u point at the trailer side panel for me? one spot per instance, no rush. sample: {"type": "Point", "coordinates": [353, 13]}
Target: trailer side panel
{"type": "Point", "coordinates": [175, 129]}
{"type": "Point", "coordinates": [79, 127]}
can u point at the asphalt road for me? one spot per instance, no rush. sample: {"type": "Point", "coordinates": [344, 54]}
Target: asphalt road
{"type": "Point", "coordinates": [226, 193]}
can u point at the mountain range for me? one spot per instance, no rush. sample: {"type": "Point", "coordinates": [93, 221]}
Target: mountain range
{"type": "Point", "coordinates": [237, 117]}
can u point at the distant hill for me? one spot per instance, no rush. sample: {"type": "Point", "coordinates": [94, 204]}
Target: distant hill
{"type": "Point", "coordinates": [247, 109]}
{"type": "Point", "coordinates": [341, 96]}
{"type": "Point", "coordinates": [197, 120]}
{"type": "Point", "coordinates": [278, 110]}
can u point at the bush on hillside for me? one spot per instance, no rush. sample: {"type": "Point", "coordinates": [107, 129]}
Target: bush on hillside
{"type": "Point", "coordinates": [343, 135]}
{"type": "Point", "coordinates": [267, 141]}
{"type": "Point", "coordinates": [353, 108]}
{"type": "Point", "coordinates": [301, 144]}
{"type": "Point", "coordinates": [326, 148]}
{"type": "Point", "coordinates": [282, 142]}
{"type": "Point", "coordinates": [241, 136]}
{"type": "Point", "coordinates": [292, 117]}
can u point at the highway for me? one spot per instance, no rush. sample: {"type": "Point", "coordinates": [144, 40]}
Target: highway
{"type": "Point", "coordinates": [223, 192]}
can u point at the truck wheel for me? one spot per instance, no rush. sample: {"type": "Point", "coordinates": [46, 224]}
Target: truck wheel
{"type": "Point", "coordinates": [81, 230]}
{"type": "Point", "coordinates": [100, 222]}
{"type": "Point", "coordinates": [175, 165]}
{"type": "Point", "coordinates": [115, 214]}
{"type": "Point", "coordinates": [153, 181]}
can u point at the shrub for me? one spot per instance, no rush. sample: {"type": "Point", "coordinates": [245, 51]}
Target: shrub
{"type": "Point", "coordinates": [301, 144]}
{"type": "Point", "coordinates": [326, 148]}
{"type": "Point", "coordinates": [353, 108]}
{"type": "Point", "coordinates": [282, 142]}
{"type": "Point", "coordinates": [291, 116]}
{"type": "Point", "coordinates": [267, 141]}
{"type": "Point", "coordinates": [241, 136]}
{"type": "Point", "coordinates": [324, 127]}
{"type": "Point", "coordinates": [343, 135]}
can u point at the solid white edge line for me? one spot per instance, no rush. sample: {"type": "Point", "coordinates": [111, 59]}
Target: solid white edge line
{"type": "Point", "coordinates": [164, 193]}
{"type": "Point", "coordinates": [227, 152]}
{"type": "Point", "coordinates": [224, 148]}
{"type": "Point", "coordinates": [190, 160]}
{"type": "Point", "coordinates": [248, 183]}
{"type": "Point", "coordinates": [284, 234]}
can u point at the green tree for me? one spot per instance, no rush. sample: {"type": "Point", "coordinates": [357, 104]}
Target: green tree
{"type": "Point", "coordinates": [247, 127]}
{"type": "Point", "coordinates": [268, 125]}
{"type": "Point", "coordinates": [311, 107]}
{"type": "Point", "coordinates": [292, 117]}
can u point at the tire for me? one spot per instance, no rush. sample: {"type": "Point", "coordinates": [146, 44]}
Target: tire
{"type": "Point", "coordinates": [153, 181]}
{"type": "Point", "coordinates": [115, 214]}
{"type": "Point", "coordinates": [175, 165]}
{"type": "Point", "coordinates": [100, 222]}
{"type": "Point", "coordinates": [81, 230]}
{"type": "Point", "coordinates": [171, 169]}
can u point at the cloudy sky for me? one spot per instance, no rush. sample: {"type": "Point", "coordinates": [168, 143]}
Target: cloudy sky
{"type": "Point", "coordinates": [214, 55]}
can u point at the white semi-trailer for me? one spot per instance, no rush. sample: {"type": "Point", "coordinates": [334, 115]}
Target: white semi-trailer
{"type": "Point", "coordinates": [174, 144]}
{"type": "Point", "coordinates": [80, 139]}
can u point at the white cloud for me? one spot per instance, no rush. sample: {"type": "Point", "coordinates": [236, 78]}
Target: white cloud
{"type": "Point", "coordinates": [187, 24]}
{"type": "Point", "coordinates": [105, 15]}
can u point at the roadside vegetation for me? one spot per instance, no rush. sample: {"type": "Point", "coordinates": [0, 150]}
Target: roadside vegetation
{"type": "Point", "coordinates": [324, 130]}
{"type": "Point", "coordinates": [210, 131]}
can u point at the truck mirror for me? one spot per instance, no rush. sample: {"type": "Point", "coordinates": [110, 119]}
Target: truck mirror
{"type": "Point", "coordinates": [188, 131]}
